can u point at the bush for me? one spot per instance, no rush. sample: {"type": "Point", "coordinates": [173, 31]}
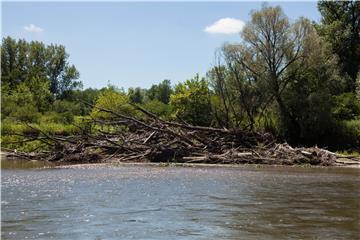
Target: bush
{"type": "Point", "coordinates": [347, 106]}
{"type": "Point", "coordinates": [159, 108]}
{"type": "Point", "coordinates": [9, 126]}
{"type": "Point", "coordinates": [58, 129]}
{"type": "Point", "coordinates": [344, 136]}
{"type": "Point", "coordinates": [191, 101]}
{"type": "Point", "coordinates": [28, 113]}
{"type": "Point", "coordinates": [54, 117]}
{"type": "Point", "coordinates": [112, 100]}
{"type": "Point", "coordinates": [62, 106]}
{"type": "Point", "coordinates": [16, 142]}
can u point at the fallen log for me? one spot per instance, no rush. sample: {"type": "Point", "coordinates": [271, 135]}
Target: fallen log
{"type": "Point", "coordinates": [150, 138]}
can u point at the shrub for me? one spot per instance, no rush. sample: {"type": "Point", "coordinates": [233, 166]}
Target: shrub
{"type": "Point", "coordinates": [112, 100]}
{"type": "Point", "coordinates": [347, 106]}
{"type": "Point", "coordinates": [191, 101]}
{"type": "Point", "coordinates": [159, 108]}
{"type": "Point", "coordinates": [28, 113]}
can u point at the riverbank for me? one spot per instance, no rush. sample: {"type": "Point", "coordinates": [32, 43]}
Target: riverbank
{"type": "Point", "coordinates": [196, 165]}
{"type": "Point", "coordinates": [148, 138]}
{"type": "Point", "coordinates": [341, 162]}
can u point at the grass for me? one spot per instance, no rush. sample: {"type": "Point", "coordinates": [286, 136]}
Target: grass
{"type": "Point", "coordinates": [11, 134]}
{"type": "Point", "coordinates": [349, 153]}
{"type": "Point", "coordinates": [18, 143]}
{"type": "Point", "coordinates": [50, 128]}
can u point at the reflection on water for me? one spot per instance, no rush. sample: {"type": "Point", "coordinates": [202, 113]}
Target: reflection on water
{"type": "Point", "coordinates": [24, 164]}
{"type": "Point", "coordinates": [180, 203]}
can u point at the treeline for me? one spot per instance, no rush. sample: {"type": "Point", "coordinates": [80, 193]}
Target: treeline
{"type": "Point", "coordinates": [298, 80]}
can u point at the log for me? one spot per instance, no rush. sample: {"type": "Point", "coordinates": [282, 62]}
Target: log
{"type": "Point", "coordinates": [153, 139]}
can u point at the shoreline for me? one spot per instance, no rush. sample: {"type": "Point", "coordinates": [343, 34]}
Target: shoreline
{"type": "Point", "coordinates": [199, 165]}
{"type": "Point", "coordinates": [63, 165]}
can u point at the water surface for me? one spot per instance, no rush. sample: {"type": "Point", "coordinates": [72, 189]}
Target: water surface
{"type": "Point", "coordinates": [139, 202]}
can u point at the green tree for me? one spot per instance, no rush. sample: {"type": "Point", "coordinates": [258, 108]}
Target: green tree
{"type": "Point", "coordinates": [271, 47]}
{"type": "Point", "coordinates": [340, 26]}
{"type": "Point", "coordinates": [23, 61]}
{"type": "Point", "coordinates": [19, 104]}
{"type": "Point", "coordinates": [83, 98]}
{"type": "Point", "coordinates": [112, 100]}
{"type": "Point", "coordinates": [309, 96]}
{"type": "Point", "coordinates": [136, 95]}
{"type": "Point", "coordinates": [191, 101]}
{"type": "Point", "coordinates": [159, 108]}
{"type": "Point", "coordinates": [39, 88]}
{"type": "Point", "coordinates": [160, 92]}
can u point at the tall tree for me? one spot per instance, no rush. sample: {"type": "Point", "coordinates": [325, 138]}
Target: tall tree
{"type": "Point", "coordinates": [340, 26]}
{"type": "Point", "coordinates": [160, 92]}
{"type": "Point", "coordinates": [22, 61]}
{"type": "Point", "coordinates": [136, 95]}
{"type": "Point", "coordinates": [309, 96]}
{"type": "Point", "coordinates": [272, 45]}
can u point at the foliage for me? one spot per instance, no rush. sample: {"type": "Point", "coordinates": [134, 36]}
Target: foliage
{"type": "Point", "coordinates": [83, 98]}
{"type": "Point", "coordinates": [25, 114]}
{"type": "Point", "coordinates": [347, 136]}
{"type": "Point", "coordinates": [136, 95]}
{"type": "Point", "coordinates": [191, 101]}
{"type": "Point", "coordinates": [160, 109]}
{"type": "Point", "coordinates": [340, 26]}
{"type": "Point", "coordinates": [23, 61]}
{"type": "Point", "coordinates": [358, 87]}
{"type": "Point", "coordinates": [9, 127]}
{"type": "Point", "coordinates": [19, 104]}
{"type": "Point", "coordinates": [16, 142]}
{"type": "Point", "coordinates": [112, 100]}
{"type": "Point", "coordinates": [309, 96]}
{"type": "Point", "coordinates": [347, 106]}
{"type": "Point", "coordinates": [160, 92]}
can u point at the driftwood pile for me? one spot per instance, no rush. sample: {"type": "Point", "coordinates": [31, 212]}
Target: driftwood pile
{"type": "Point", "coordinates": [149, 138]}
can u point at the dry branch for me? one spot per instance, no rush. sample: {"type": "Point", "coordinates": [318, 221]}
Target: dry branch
{"type": "Point", "coordinates": [153, 139]}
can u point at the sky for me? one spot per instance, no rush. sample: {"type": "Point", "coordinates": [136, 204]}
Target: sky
{"type": "Point", "coordinates": [137, 44]}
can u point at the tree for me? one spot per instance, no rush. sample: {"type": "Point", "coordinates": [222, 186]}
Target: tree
{"type": "Point", "coordinates": [160, 92]}
{"type": "Point", "coordinates": [39, 88]}
{"type": "Point", "coordinates": [61, 74]}
{"type": "Point", "coordinates": [340, 26]}
{"type": "Point", "coordinates": [191, 101]}
{"type": "Point", "coordinates": [309, 96]}
{"type": "Point", "coordinates": [239, 92]}
{"type": "Point", "coordinates": [158, 108]}
{"type": "Point", "coordinates": [23, 61]}
{"type": "Point", "coordinates": [271, 46]}
{"type": "Point", "coordinates": [136, 95]}
{"type": "Point", "coordinates": [83, 97]}
{"type": "Point", "coordinates": [18, 104]}
{"type": "Point", "coordinates": [112, 100]}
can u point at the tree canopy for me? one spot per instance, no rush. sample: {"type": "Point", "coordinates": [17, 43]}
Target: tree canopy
{"type": "Point", "coordinates": [340, 26]}
{"type": "Point", "coordinates": [23, 62]}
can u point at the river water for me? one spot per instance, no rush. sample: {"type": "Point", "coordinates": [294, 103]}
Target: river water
{"type": "Point", "coordinates": [147, 202]}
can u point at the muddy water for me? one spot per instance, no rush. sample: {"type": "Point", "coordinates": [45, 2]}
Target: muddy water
{"type": "Point", "coordinates": [142, 202]}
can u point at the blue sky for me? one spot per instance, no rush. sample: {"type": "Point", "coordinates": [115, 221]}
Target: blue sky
{"type": "Point", "coordinates": [136, 44]}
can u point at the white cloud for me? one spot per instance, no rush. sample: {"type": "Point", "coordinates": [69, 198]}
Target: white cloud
{"type": "Point", "coordinates": [33, 28]}
{"type": "Point", "coordinates": [226, 26]}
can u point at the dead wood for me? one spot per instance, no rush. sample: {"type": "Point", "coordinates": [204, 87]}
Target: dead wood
{"type": "Point", "coordinates": [150, 138]}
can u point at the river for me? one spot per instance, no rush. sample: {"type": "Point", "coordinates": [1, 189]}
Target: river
{"type": "Point", "coordinates": [154, 202]}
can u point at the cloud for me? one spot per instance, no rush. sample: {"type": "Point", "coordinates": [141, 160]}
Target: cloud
{"type": "Point", "coordinates": [225, 26]}
{"type": "Point", "coordinates": [33, 28]}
